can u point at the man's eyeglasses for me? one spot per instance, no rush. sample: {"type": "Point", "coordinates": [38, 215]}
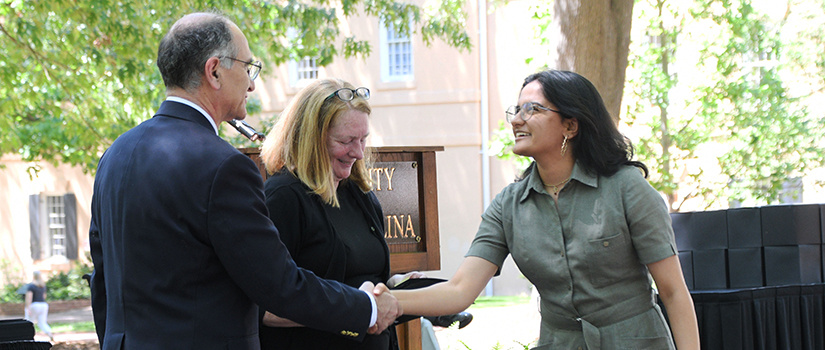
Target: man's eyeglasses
{"type": "Point", "coordinates": [525, 111]}
{"type": "Point", "coordinates": [347, 94]}
{"type": "Point", "coordinates": [252, 67]}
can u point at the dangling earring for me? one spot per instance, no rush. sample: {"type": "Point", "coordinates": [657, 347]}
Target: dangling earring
{"type": "Point", "coordinates": [564, 145]}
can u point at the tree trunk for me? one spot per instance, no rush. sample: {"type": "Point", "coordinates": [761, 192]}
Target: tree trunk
{"type": "Point", "coordinates": [594, 41]}
{"type": "Point", "coordinates": [665, 47]}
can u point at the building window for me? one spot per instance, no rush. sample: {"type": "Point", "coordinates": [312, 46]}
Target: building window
{"type": "Point", "coordinates": [791, 191]}
{"type": "Point", "coordinates": [302, 71]}
{"type": "Point", "coordinates": [396, 54]}
{"type": "Point", "coordinates": [53, 226]}
{"type": "Point", "coordinates": [57, 225]}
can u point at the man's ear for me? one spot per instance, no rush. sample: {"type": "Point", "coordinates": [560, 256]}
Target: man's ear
{"type": "Point", "coordinates": [211, 72]}
{"type": "Point", "coordinates": [571, 126]}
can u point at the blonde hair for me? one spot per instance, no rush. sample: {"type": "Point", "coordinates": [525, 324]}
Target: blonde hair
{"type": "Point", "coordinates": [38, 279]}
{"type": "Point", "coordinates": [298, 141]}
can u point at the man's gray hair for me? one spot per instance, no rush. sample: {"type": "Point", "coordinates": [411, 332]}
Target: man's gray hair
{"type": "Point", "coordinates": [187, 46]}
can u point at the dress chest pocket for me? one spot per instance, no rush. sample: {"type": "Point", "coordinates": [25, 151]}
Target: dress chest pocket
{"type": "Point", "coordinates": [610, 259]}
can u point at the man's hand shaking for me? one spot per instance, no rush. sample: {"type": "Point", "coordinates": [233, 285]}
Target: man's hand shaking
{"type": "Point", "coordinates": [388, 307]}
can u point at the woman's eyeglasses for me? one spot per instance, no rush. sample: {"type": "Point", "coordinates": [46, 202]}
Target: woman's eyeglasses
{"type": "Point", "coordinates": [347, 94]}
{"type": "Point", "coordinates": [526, 111]}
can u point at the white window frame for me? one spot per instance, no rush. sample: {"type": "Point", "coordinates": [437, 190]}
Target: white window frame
{"type": "Point", "coordinates": [55, 225]}
{"type": "Point", "coordinates": [297, 70]}
{"type": "Point", "coordinates": [397, 55]}
{"type": "Point", "coordinates": [303, 71]}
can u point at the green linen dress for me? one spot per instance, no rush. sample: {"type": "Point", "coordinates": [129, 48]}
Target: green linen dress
{"type": "Point", "coordinates": [586, 256]}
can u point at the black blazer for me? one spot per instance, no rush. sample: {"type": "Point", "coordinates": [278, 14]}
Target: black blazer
{"type": "Point", "coordinates": [313, 242]}
{"type": "Point", "coordinates": [183, 248]}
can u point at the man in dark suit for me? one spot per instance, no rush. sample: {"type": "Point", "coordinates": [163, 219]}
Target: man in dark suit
{"type": "Point", "coordinates": [181, 241]}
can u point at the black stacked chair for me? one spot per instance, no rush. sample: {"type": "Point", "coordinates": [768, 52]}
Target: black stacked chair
{"type": "Point", "coordinates": [18, 334]}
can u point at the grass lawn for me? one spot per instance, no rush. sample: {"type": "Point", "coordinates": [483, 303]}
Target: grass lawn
{"type": "Point", "coordinates": [74, 327]}
{"type": "Point", "coordinates": [484, 302]}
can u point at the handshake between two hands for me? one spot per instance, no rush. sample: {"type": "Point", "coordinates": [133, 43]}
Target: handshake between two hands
{"type": "Point", "coordinates": [388, 306]}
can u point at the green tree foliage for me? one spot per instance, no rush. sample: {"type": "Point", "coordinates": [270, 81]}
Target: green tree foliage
{"type": "Point", "coordinates": [76, 74]}
{"type": "Point", "coordinates": [669, 138]}
{"type": "Point", "coordinates": [734, 126]}
{"type": "Point", "coordinates": [501, 146]}
{"type": "Point", "coordinates": [70, 285]}
{"type": "Point", "coordinates": [718, 97]}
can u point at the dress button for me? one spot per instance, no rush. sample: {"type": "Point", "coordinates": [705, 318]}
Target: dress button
{"type": "Point", "coordinates": [606, 244]}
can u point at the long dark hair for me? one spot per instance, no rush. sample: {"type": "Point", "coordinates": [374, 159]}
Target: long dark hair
{"type": "Point", "coordinates": [599, 146]}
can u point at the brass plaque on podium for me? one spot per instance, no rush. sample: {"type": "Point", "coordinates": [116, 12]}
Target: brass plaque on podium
{"type": "Point", "coordinates": [396, 186]}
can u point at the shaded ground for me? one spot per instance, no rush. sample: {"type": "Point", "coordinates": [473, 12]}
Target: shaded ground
{"type": "Point", "coordinates": [500, 328]}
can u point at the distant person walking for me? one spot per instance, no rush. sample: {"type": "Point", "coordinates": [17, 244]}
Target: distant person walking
{"type": "Point", "coordinates": [37, 309]}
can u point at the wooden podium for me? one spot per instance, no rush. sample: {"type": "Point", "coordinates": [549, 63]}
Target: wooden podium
{"type": "Point", "coordinates": [405, 184]}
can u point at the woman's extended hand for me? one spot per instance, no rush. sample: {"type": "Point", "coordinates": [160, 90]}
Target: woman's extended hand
{"type": "Point", "coordinates": [397, 279]}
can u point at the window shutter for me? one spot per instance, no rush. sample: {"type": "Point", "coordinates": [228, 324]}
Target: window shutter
{"type": "Point", "coordinates": [70, 208]}
{"type": "Point", "coordinates": [34, 225]}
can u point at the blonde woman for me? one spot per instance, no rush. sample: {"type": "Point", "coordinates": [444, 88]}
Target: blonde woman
{"type": "Point", "coordinates": [37, 309]}
{"type": "Point", "coordinates": [319, 197]}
